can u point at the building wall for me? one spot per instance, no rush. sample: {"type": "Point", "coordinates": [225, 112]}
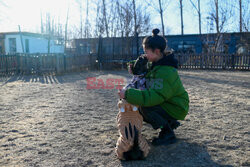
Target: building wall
{"type": "Point", "coordinates": [2, 51]}
{"type": "Point", "coordinates": [123, 47]}
{"type": "Point", "coordinates": [36, 44]}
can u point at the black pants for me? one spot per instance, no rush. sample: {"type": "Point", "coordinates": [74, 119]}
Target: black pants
{"type": "Point", "coordinates": [156, 116]}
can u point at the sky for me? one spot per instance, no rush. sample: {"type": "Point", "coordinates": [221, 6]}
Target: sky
{"type": "Point", "coordinates": [27, 14]}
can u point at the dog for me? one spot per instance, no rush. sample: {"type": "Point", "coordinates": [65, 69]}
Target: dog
{"type": "Point", "coordinates": [131, 145]}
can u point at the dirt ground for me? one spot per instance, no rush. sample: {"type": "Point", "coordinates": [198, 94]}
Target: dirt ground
{"type": "Point", "coordinates": [55, 121]}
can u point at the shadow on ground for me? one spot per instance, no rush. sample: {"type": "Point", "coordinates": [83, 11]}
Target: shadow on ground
{"type": "Point", "coordinates": [218, 81]}
{"type": "Point", "coordinates": [183, 153]}
{"type": "Point", "coordinates": [51, 78]}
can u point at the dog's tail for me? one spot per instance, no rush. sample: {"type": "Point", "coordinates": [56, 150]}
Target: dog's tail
{"type": "Point", "coordinates": [135, 153]}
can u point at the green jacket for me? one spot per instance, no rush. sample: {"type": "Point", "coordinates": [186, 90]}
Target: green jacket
{"type": "Point", "coordinates": [166, 90]}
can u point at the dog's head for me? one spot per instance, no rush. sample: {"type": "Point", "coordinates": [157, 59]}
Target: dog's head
{"type": "Point", "coordinates": [140, 66]}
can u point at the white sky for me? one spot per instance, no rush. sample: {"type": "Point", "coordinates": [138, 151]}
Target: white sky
{"type": "Point", "coordinates": [27, 13]}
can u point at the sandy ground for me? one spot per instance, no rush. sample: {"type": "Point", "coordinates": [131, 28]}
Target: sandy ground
{"type": "Point", "coordinates": [55, 121]}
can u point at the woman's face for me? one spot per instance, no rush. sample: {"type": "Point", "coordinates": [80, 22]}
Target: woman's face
{"type": "Point", "coordinates": [152, 56]}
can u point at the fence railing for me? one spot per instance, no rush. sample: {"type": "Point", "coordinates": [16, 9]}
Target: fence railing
{"type": "Point", "coordinates": [214, 61]}
{"type": "Point", "coordinates": [60, 63]}
{"type": "Point", "coordinates": [44, 63]}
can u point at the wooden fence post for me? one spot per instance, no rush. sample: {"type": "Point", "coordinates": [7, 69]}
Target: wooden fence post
{"type": "Point", "coordinates": [58, 68]}
{"type": "Point", "coordinates": [64, 62]}
{"type": "Point", "coordinates": [18, 64]}
{"type": "Point", "coordinates": [232, 61]}
{"type": "Point", "coordinates": [6, 61]}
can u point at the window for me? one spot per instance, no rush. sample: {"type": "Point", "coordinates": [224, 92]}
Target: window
{"type": "Point", "coordinates": [27, 46]}
{"type": "Point", "coordinates": [12, 45]}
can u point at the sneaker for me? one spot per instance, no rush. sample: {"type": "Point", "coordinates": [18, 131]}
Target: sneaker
{"type": "Point", "coordinates": [175, 124]}
{"type": "Point", "coordinates": [165, 139]}
{"type": "Point", "coordinates": [166, 136]}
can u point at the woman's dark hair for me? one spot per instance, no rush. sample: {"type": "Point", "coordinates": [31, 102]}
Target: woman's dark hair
{"type": "Point", "coordinates": [155, 41]}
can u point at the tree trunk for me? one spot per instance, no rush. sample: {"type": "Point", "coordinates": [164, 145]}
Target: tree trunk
{"type": "Point", "coordinates": [42, 31]}
{"type": "Point", "coordinates": [182, 27]}
{"type": "Point", "coordinates": [105, 17]}
{"type": "Point", "coordinates": [162, 23]}
{"type": "Point", "coordinates": [80, 19]}
{"type": "Point", "coordinates": [66, 30]}
{"type": "Point", "coordinates": [199, 12]}
{"type": "Point", "coordinates": [136, 33]}
{"type": "Point", "coordinates": [86, 34]}
{"type": "Point", "coordinates": [135, 26]}
{"type": "Point", "coordinates": [49, 32]}
{"type": "Point", "coordinates": [240, 4]}
{"type": "Point", "coordinates": [217, 16]}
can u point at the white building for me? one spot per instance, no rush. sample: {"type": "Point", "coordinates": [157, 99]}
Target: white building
{"type": "Point", "coordinates": [10, 42]}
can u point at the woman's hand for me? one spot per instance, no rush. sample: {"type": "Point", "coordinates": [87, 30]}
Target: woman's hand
{"type": "Point", "coordinates": [121, 93]}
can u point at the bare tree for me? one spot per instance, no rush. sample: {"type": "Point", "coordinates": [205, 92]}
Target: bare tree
{"type": "Point", "coordinates": [87, 24]}
{"type": "Point", "coordinates": [66, 30]}
{"type": "Point", "coordinates": [240, 5]}
{"type": "Point", "coordinates": [51, 25]}
{"type": "Point", "coordinates": [125, 17]}
{"type": "Point", "coordinates": [135, 18]}
{"type": "Point", "coordinates": [120, 23]}
{"type": "Point", "coordinates": [241, 15]}
{"type": "Point", "coordinates": [198, 10]}
{"type": "Point", "coordinates": [105, 17]}
{"type": "Point", "coordinates": [160, 6]}
{"type": "Point", "coordinates": [99, 26]}
{"type": "Point", "coordinates": [141, 19]}
{"type": "Point", "coordinates": [220, 14]}
{"type": "Point", "coordinates": [84, 30]}
{"type": "Point", "coordinates": [244, 15]}
{"type": "Point", "coordinates": [216, 16]}
{"type": "Point", "coordinates": [161, 13]}
{"type": "Point", "coordinates": [79, 2]}
{"type": "Point", "coordinates": [42, 30]}
{"type": "Point", "coordinates": [48, 29]}
{"type": "Point", "coordinates": [113, 19]}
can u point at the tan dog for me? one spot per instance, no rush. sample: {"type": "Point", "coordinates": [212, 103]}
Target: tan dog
{"type": "Point", "coordinates": [131, 144]}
